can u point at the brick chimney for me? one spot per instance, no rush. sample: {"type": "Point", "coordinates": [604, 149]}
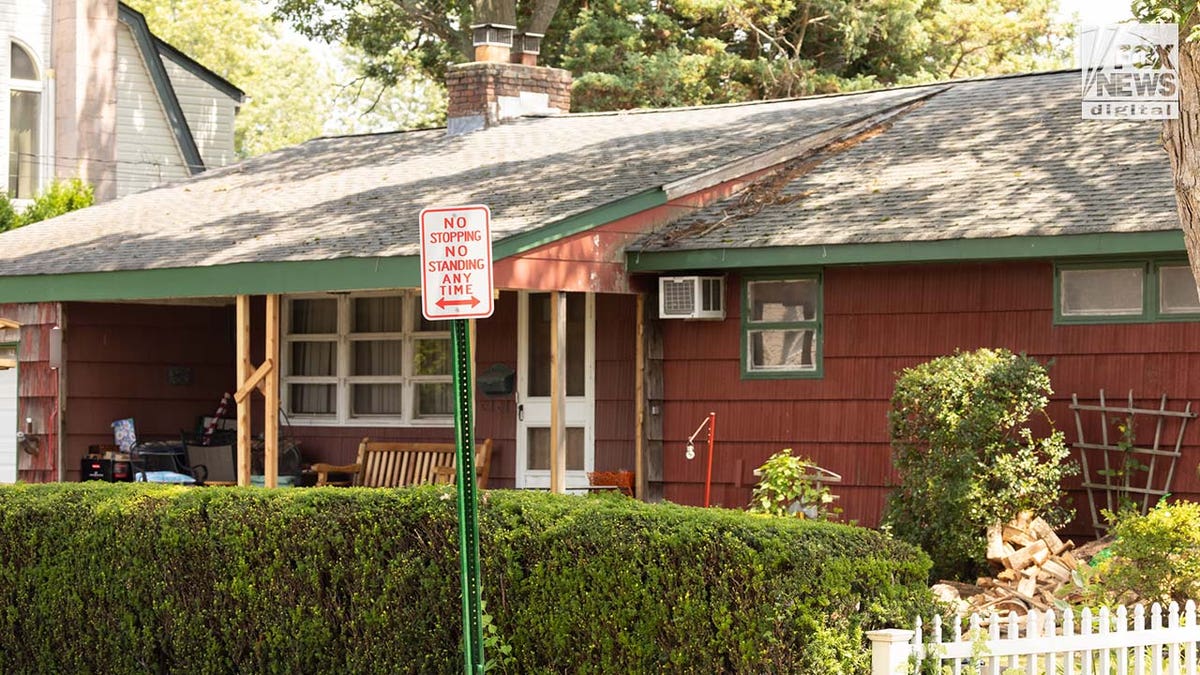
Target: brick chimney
{"type": "Point", "coordinates": [503, 83]}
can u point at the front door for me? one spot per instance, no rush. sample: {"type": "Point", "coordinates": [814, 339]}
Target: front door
{"type": "Point", "coordinates": [533, 389]}
{"type": "Point", "coordinates": [8, 414]}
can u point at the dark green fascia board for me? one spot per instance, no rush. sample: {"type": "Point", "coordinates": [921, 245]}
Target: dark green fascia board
{"type": "Point", "coordinates": [307, 276]}
{"type": "Point", "coordinates": [949, 250]}
{"type": "Point", "coordinates": [581, 222]}
{"type": "Point", "coordinates": [196, 68]}
{"type": "Point", "coordinates": [341, 274]}
{"type": "Point", "coordinates": [162, 84]}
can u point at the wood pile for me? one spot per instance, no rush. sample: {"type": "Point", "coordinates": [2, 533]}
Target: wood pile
{"type": "Point", "coordinates": [1031, 565]}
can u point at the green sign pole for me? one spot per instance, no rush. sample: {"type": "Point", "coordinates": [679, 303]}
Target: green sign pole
{"type": "Point", "coordinates": [468, 512]}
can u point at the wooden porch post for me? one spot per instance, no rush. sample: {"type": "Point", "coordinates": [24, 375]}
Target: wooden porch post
{"type": "Point", "coordinates": [243, 402]}
{"type": "Point", "coordinates": [558, 392]}
{"type": "Point", "coordinates": [639, 397]}
{"type": "Point", "coordinates": [264, 378]}
{"type": "Point", "coordinates": [271, 395]}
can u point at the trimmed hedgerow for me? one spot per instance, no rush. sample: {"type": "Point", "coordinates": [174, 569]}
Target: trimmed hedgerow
{"type": "Point", "coordinates": [131, 579]}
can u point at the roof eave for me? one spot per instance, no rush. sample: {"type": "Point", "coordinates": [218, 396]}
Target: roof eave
{"type": "Point", "coordinates": [301, 276]}
{"type": "Point", "coordinates": [1099, 244]}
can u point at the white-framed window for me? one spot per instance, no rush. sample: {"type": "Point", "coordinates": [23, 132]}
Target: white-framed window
{"type": "Point", "coordinates": [365, 359]}
{"type": "Point", "coordinates": [25, 111]}
{"type": "Point", "coordinates": [1133, 291]}
{"type": "Point", "coordinates": [781, 327]}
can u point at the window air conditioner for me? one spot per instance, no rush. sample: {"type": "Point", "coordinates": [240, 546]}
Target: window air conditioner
{"type": "Point", "coordinates": [691, 297]}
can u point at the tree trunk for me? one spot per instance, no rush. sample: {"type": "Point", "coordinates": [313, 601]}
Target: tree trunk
{"type": "Point", "coordinates": [543, 12]}
{"type": "Point", "coordinates": [502, 12]}
{"type": "Point", "coordinates": [1180, 136]}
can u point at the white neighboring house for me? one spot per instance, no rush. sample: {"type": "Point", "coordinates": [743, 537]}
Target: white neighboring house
{"type": "Point", "coordinates": [92, 94]}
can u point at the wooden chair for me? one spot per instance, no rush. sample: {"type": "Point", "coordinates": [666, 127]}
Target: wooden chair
{"type": "Point", "coordinates": [446, 475]}
{"type": "Point", "coordinates": [402, 464]}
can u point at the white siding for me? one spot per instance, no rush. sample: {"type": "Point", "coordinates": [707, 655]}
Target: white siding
{"type": "Point", "coordinates": [28, 22]}
{"type": "Point", "coordinates": [209, 114]}
{"type": "Point", "coordinates": [147, 153]}
{"type": "Point", "coordinates": [8, 425]}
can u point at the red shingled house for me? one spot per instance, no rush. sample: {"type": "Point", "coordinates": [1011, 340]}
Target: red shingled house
{"type": "Point", "coordinates": [842, 238]}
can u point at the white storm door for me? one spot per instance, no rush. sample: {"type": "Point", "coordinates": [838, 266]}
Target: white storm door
{"type": "Point", "coordinates": [533, 389]}
{"type": "Point", "coordinates": [8, 415]}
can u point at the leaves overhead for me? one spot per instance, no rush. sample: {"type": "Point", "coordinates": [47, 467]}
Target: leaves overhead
{"type": "Point", "coordinates": [287, 87]}
{"type": "Point", "coordinates": [647, 53]}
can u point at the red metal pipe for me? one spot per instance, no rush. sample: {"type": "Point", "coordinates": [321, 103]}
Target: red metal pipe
{"type": "Point", "coordinates": [712, 429]}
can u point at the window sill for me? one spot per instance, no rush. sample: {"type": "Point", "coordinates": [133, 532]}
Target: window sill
{"type": "Point", "coordinates": [783, 374]}
{"type": "Point", "coordinates": [368, 422]}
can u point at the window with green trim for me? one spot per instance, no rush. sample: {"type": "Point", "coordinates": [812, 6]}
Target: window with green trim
{"type": "Point", "coordinates": [1131, 291]}
{"type": "Point", "coordinates": [781, 326]}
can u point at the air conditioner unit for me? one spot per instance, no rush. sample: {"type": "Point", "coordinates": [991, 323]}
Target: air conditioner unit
{"type": "Point", "coordinates": [691, 297]}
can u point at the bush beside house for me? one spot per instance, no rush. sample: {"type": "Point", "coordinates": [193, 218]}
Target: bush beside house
{"type": "Point", "coordinates": [967, 457]}
{"type": "Point", "coordinates": [123, 578]}
{"type": "Point", "coordinates": [1153, 558]}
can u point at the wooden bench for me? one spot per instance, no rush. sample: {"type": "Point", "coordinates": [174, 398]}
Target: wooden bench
{"type": "Point", "coordinates": [402, 464]}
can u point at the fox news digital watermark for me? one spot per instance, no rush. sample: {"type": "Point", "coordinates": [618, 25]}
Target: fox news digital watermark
{"type": "Point", "coordinates": [1130, 71]}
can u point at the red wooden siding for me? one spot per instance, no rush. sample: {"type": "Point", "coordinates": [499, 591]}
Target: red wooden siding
{"type": "Point", "coordinates": [594, 261]}
{"type": "Point", "coordinates": [616, 342]}
{"type": "Point", "coordinates": [877, 321]}
{"type": "Point", "coordinates": [37, 388]}
{"type": "Point", "coordinates": [118, 358]}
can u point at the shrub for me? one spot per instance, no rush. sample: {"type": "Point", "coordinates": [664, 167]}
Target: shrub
{"type": "Point", "coordinates": [966, 458]}
{"type": "Point", "coordinates": [1153, 558]}
{"type": "Point", "coordinates": [130, 578]}
{"type": "Point", "coordinates": [787, 488]}
{"type": "Point", "coordinates": [59, 198]}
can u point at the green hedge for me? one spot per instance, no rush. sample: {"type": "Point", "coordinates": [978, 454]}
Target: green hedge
{"type": "Point", "coordinates": [98, 578]}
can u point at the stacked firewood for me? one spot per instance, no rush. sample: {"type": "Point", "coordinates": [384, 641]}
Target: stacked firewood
{"type": "Point", "coordinates": [1031, 564]}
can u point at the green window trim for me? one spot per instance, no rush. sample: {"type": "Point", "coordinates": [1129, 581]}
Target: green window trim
{"type": "Point", "coordinates": [1151, 297]}
{"type": "Point", "coordinates": [816, 325]}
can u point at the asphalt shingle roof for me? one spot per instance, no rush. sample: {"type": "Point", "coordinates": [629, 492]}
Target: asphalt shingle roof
{"type": "Point", "coordinates": [360, 196]}
{"type": "Point", "coordinates": [982, 159]}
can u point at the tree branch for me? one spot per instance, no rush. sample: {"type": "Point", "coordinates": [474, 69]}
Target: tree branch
{"type": "Point", "coordinates": [543, 13]}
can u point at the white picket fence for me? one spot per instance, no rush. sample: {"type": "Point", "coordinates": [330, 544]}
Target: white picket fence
{"type": "Point", "coordinates": [1121, 642]}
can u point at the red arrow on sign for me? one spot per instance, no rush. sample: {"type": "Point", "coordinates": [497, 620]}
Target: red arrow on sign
{"type": "Point", "coordinates": [444, 303]}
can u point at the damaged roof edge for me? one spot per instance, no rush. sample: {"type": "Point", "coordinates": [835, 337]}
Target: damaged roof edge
{"type": "Point", "coordinates": [809, 144]}
{"type": "Point", "coordinates": [1105, 244]}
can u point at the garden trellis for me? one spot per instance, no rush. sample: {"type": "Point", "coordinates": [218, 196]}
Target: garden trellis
{"type": "Point", "coordinates": [1118, 471]}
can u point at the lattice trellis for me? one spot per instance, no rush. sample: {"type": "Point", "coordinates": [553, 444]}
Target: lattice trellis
{"type": "Point", "coordinates": [1120, 472]}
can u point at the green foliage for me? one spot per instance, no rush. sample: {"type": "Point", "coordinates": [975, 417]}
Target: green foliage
{"type": "Point", "coordinates": [133, 579]}
{"type": "Point", "coordinates": [645, 53]}
{"type": "Point", "coordinates": [966, 457]}
{"type": "Point", "coordinates": [9, 218]}
{"type": "Point", "coordinates": [1154, 558]}
{"type": "Point", "coordinates": [59, 198]}
{"type": "Point", "coordinates": [1179, 12]}
{"type": "Point", "coordinates": [498, 652]}
{"type": "Point", "coordinates": [1119, 476]}
{"type": "Point", "coordinates": [787, 483]}
{"type": "Point", "coordinates": [288, 88]}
